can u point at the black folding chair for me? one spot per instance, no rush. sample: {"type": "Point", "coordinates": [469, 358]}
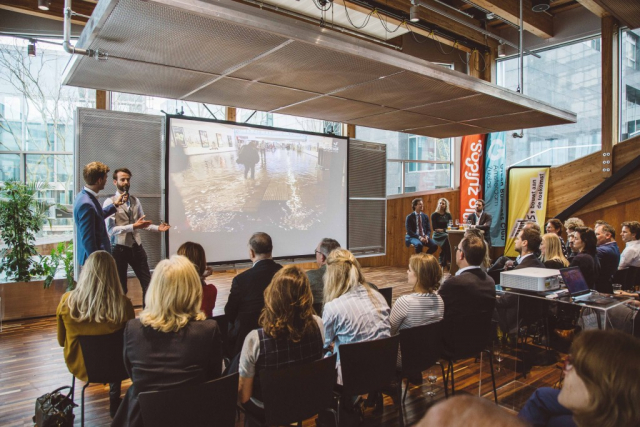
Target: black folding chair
{"type": "Point", "coordinates": [103, 359]}
{"type": "Point", "coordinates": [465, 337]}
{"type": "Point", "coordinates": [629, 278]}
{"type": "Point", "coordinates": [421, 348]}
{"type": "Point", "coordinates": [209, 404]}
{"type": "Point", "coordinates": [387, 293]}
{"type": "Point", "coordinates": [368, 366]}
{"type": "Point", "coordinates": [294, 394]}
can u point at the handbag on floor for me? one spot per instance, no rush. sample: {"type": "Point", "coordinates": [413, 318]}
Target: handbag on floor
{"type": "Point", "coordinates": [55, 409]}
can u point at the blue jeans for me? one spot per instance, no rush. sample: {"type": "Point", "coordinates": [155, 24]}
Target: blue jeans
{"type": "Point", "coordinates": [431, 246]}
{"type": "Point", "coordinates": [543, 410]}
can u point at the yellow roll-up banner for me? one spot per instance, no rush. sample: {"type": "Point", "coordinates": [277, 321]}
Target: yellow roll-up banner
{"type": "Point", "coordinates": [527, 193]}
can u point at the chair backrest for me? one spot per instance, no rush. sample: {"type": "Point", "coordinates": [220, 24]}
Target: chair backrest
{"type": "Point", "coordinates": [421, 347]}
{"type": "Point", "coordinates": [369, 365]}
{"type": "Point", "coordinates": [103, 357]}
{"type": "Point", "coordinates": [468, 335]}
{"type": "Point", "coordinates": [223, 325]}
{"type": "Point", "coordinates": [299, 392]}
{"type": "Point", "coordinates": [631, 278]}
{"type": "Point", "coordinates": [212, 403]}
{"type": "Point", "coordinates": [387, 293]}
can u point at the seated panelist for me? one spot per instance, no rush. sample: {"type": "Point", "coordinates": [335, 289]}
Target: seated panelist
{"type": "Point", "coordinates": [418, 229]}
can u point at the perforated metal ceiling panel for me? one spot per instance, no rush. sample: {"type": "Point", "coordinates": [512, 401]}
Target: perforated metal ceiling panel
{"type": "Point", "coordinates": [450, 130]}
{"type": "Point", "coordinates": [227, 53]}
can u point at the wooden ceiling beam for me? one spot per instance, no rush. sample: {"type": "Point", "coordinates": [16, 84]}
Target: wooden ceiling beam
{"type": "Point", "coordinates": [536, 23]}
{"type": "Point", "coordinates": [594, 8]}
{"type": "Point", "coordinates": [55, 12]}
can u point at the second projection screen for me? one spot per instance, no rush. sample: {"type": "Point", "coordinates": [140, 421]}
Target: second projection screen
{"type": "Point", "coordinates": [228, 181]}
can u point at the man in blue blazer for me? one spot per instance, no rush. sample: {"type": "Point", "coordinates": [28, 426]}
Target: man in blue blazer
{"type": "Point", "coordinates": [418, 229]}
{"type": "Point", "coordinates": [88, 214]}
{"type": "Point", "coordinates": [608, 253]}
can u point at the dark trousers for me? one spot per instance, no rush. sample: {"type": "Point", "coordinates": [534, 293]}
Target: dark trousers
{"type": "Point", "coordinates": [135, 257]}
{"type": "Point", "coordinates": [445, 253]}
{"type": "Point", "coordinates": [543, 409]}
{"type": "Point", "coordinates": [431, 247]}
{"type": "Point", "coordinates": [248, 168]}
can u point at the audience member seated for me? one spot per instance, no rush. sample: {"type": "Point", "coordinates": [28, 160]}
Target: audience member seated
{"type": "Point", "coordinates": [96, 306]}
{"type": "Point", "coordinates": [551, 252]}
{"type": "Point", "coordinates": [325, 247]}
{"type": "Point", "coordinates": [195, 253]}
{"type": "Point", "coordinates": [290, 334]}
{"type": "Point", "coordinates": [171, 344]}
{"type": "Point", "coordinates": [630, 256]}
{"type": "Point", "coordinates": [570, 225]}
{"type": "Point", "coordinates": [468, 411]}
{"type": "Point", "coordinates": [486, 262]}
{"type": "Point", "coordinates": [418, 229]}
{"type": "Point", "coordinates": [600, 389]}
{"type": "Point", "coordinates": [424, 305]}
{"type": "Point", "coordinates": [440, 219]}
{"type": "Point", "coordinates": [585, 243]}
{"type": "Point", "coordinates": [505, 263]}
{"type": "Point", "coordinates": [608, 255]}
{"type": "Point", "coordinates": [554, 225]}
{"type": "Point", "coordinates": [246, 299]}
{"type": "Point", "coordinates": [471, 290]}
{"type": "Point", "coordinates": [353, 311]}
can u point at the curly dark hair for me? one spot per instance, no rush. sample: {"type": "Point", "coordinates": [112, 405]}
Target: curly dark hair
{"type": "Point", "coordinates": [288, 305]}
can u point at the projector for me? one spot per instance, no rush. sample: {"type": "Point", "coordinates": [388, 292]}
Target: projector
{"type": "Point", "coordinates": [531, 279]}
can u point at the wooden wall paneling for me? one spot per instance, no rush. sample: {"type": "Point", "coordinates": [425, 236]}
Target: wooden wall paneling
{"type": "Point", "coordinates": [609, 53]}
{"type": "Point", "coordinates": [626, 151]}
{"type": "Point", "coordinates": [230, 114]}
{"type": "Point", "coordinates": [614, 215]}
{"type": "Point", "coordinates": [101, 99]}
{"type": "Point", "coordinates": [569, 182]}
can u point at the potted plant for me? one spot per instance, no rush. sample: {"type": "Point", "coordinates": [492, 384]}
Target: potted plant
{"type": "Point", "coordinates": [63, 253]}
{"type": "Point", "coordinates": [22, 215]}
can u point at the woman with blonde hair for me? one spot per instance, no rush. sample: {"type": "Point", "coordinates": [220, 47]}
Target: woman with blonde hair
{"type": "Point", "coordinates": [439, 221]}
{"type": "Point", "coordinates": [195, 253]}
{"type": "Point", "coordinates": [353, 310]}
{"type": "Point", "coordinates": [96, 306]}
{"type": "Point", "coordinates": [171, 344]}
{"type": "Point", "coordinates": [600, 387]}
{"type": "Point", "coordinates": [551, 250]}
{"type": "Point", "coordinates": [290, 334]}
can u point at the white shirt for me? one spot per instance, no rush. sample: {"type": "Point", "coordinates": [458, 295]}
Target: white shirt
{"type": "Point", "coordinates": [125, 234]}
{"type": "Point", "coordinates": [630, 257]}
{"type": "Point", "coordinates": [90, 191]}
{"type": "Point", "coordinates": [469, 267]}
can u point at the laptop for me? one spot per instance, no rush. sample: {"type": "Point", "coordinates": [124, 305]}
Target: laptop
{"type": "Point", "coordinates": [578, 289]}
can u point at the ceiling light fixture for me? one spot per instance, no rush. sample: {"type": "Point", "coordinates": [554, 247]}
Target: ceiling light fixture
{"type": "Point", "coordinates": [413, 13]}
{"type": "Point", "coordinates": [44, 4]}
{"type": "Point", "coordinates": [501, 51]}
{"type": "Point", "coordinates": [540, 5]}
{"type": "Point", "coordinates": [31, 49]}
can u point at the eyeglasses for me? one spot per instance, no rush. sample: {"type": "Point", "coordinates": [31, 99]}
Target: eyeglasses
{"type": "Point", "coordinates": [568, 363]}
{"type": "Point", "coordinates": [318, 252]}
{"type": "Point", "coordinates": [458, 249]}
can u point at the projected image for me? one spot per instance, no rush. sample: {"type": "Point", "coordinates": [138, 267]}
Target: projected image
{"type": "Point", "coordinates": [262, 180]}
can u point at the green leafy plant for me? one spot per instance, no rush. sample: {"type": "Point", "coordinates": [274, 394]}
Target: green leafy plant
{"type": "Point", "coordinates": [63, 253]}
{"type": "Point", "coordinates": [22, 215]}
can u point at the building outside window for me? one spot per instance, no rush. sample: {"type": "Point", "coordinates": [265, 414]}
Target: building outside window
{"type": "Point", "coordinates": [629, 84]}
{"type": "Point", "coordinates": [131, 103]}
{"type": "Point", "coordinates": [36, 123]}
{"type": "Point", "coordinates": [568, 77]}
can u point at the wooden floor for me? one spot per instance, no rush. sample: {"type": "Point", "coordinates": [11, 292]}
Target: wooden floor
{"type": "Point", "coordinates": [32, 363]}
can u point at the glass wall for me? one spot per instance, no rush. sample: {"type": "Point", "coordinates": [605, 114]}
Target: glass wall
{"type": "Point", "coordinates": [431, 170]}
{"type": "Point", "coordinates": [131, 103]}
{"type": "Point", "coordinates": [629, 84]}
{"type": "Point", "coordinates": [36, 122]}
{"type": "Point", "coordinates": [567, 77]}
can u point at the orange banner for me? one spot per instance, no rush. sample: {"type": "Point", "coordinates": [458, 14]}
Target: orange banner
{"type": "Point", "coordinates": [471, 173]}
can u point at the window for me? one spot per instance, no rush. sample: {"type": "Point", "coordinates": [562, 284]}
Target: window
{"type": "Point", "coordinates": [629, 85]}
{"type": "Point", "coordinates": [568, 77]}
{"type": "Point", "coordinates": [415, 163]}
{"type": "Point", "coordinates": [143, 104]}
{"type": "Point", "coordinates": [36, 122]}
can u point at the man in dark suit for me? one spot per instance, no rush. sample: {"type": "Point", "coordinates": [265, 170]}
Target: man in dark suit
{"type": "Point", "coordinates": [325, 247]}
{"type": "Point", "coordinates": [471, 290]}
{"type": "Point", "coordinates": [481, 220]}
{"type": "Point", "coordinates": [608, 254]}
{"type": "Point", "coordinates": [88, 214]}
{"type": "Point", "coordinates": [418, 229]}
{"type": "Point", "coordinates": [246, 299]}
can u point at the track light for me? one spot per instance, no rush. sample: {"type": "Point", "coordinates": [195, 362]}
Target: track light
{"type": "Point", "coordinates": [413, 13]}
{"type": "Point", "coordinates": [540, 5]}
{"type": "Point", "coordinates": [44, 4]}
{"type": "Point", "coordinates": [31, 49]}
{"type": "Point", "coordinates": [501, 51]}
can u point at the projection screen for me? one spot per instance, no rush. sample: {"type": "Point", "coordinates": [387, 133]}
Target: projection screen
{"type": "Point", "coordinates": [226, 181]}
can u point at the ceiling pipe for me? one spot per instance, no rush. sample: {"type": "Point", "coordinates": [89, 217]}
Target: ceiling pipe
{"type": "Point", "coordinates": [473, 27]}
{"type": "Point", "coordinates": [521, 68]}
{"type": "Point", "coordinates": [66, 43]}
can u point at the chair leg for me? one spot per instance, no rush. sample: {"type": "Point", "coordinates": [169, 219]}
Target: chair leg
{"type": "Point", "coordinates": [446, 391]}
{"type": "Point", "coordinates": [406, 389]}
{"type": "Point", "coordinates": [401, 400]}
{"type": "Point", "coordinates": [493, 377]}
{"type": "Point", "coordinates": [73, 388]}
{"type": "Point", "coordinates": [82, 412]}
{"type": "Point", "coordinates": [453, 382]}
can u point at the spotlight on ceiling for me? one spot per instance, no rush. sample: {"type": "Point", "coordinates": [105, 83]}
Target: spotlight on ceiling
{"type": "Point", "coordinates": [540, 5]}
{"type": "Point", "coordinates": [501, 51]}
{"type": "Point", "coordinates": [44, 4]}
{"type": "Point", "coordinates": [413, 13]}
{"type": "Point", "coordinates": [31, 49]}
{"type": "Point", "coordinates": [490, 16]}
